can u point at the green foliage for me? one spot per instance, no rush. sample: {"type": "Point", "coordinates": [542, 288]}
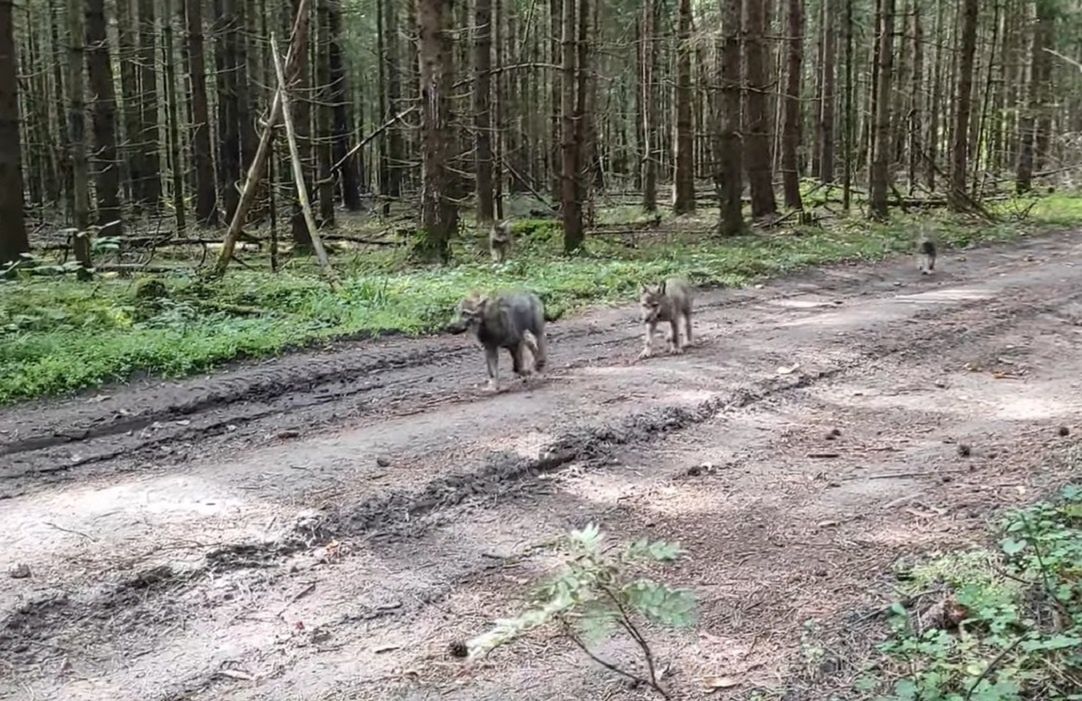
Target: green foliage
{"type": "Point", "coordinates": [598, 592]}
{"type": "Point", "coordinates": [1020, 636]}
{"type": "Point", "coordinates": [58, 335]}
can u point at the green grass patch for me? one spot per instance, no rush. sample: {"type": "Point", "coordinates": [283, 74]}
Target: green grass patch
{"type": "Point", "coordinates": [58, 335]}
{"type": "Point", "coordinates": [1000, 624]}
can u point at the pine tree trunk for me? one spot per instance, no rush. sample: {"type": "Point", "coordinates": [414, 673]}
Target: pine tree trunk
{"type": "Point", "coordinates": [1044, 115]}
{"type": "Point", "coordinates": [1029, 123]}
{"type": "Point", "coordinates": [325, 115]}
{"type": "Point", "coordinates": [793, 117]}
{"type": "Point", "coordinates": [881, 152]}
{"type": "Point", "coordinates": [229, 172]}
{"type": "Point", "coordinates": [37, 147]}
{"type": "Point", "coordinates": [555, 152]}
{"type": "Point", "coordinates": [826, 114]}
{"type": "Point", "coordinates": [850, 114]}
{"type": "Point", "coordinates": [757, 129]}
{"type": "Point", "coordinates": [246, 125]}
{"type": "Point", "coordinates": [651, 153]}
{"type": "Point", "coordinates": [931, 142]}
{"type": "Point", "coordinates": [570, 206]}
{"type": "Point", "coordinates": [916, 125]}
{"type": "Point", "coordinates": [173, 120]}
{"type": "Point", "coordinates": [13, 239]}
{"type": "Point", "coordinates": [482, 115]}
{"type": "Point", "coordinates": [574, 237]}
{"type": "Point", "coordinates": [352, 171]}
{"type": "Point", "coordinates": [393, 66]}
{"type": "Point", "coordinates": [77, 134]}
{"type": "Point", "coordinates": [300, 233]}
{"type": "Point", "coordinates": [499, 126]}
{"type": "Point", "coordinates": [729, 158]}
{"type": "Point", "coordinates": [439, 213]}
{"type": "Point", "coordinates": [684, 177]}
{"type": "Point", "coordinates": [963, 105]}
{"type": "Point", "coordinates": [103, 118]}
{"type": "Point", "coordinates": [151, 184]}
{"type": "Point", "coordinates": [206, 199]}
{"type": "Point", "coordinates": [383, 109]}
{"type": "Point", "coordinates": [130, 102]}
{"type": "Point", "coordinates": [640, 109]}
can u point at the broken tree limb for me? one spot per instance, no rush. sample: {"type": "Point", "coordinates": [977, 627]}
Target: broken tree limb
{"type": "Point", "coordinates": [533, 191]}
{"type": "Point", "coordinates": [256, 170]}
{"type": "Point", "coordinates": [364, 142]}
{"type": "Point", "coordinates": [1068, 59]}
{"type": "Point", "coordinates": [298, 167]}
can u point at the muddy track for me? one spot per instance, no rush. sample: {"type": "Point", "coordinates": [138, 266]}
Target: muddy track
{"type": "Point", "coordinates": [402, 512]}
{"type": "Point", "coordinates": [123, 427]}
{"type": "Point", "coordinates": [421, 395]}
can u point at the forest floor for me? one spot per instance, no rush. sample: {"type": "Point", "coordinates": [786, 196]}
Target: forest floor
{"type": "Point", "coordinates": [324, 525]}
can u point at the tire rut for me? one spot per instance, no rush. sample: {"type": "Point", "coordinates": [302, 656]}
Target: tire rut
{"type": "Point", "coordinates": [412, 513]}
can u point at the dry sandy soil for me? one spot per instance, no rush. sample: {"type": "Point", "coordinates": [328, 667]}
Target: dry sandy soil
{"type": "Point", "coordinates": [324, 525]}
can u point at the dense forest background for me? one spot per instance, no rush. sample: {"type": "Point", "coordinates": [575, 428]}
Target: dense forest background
{"type": "Point", "coordinates": [143, 118]}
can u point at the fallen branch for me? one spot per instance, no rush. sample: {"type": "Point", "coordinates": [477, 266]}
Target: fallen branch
{"type": "Point", "coordinates": [364, 142]}
{"type": "Point", "coordinates": [359, 239]}
{"type": "Point", "coordinates": [69, 530]}
{"type": "Point", "coordinates": [298, 166]}
{"type": "Point", "coordinates": [259, 162]}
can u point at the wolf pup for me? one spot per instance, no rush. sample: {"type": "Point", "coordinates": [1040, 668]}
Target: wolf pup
{"type": "Point", "coordinates": [499, 241]}
{"type": "Point", "coordinates": [511, 320]}
{"type": "Point", "coordinates": [668, 301]}
{"type": "Point", "coordinates": [926, 250]}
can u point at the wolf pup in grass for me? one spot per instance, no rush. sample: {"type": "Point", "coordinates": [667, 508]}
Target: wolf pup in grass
{"type": "Point", "coordinates": [499, 241]}
{"type": "Point", "coordinates": [667, 302]}
{"type": "Point", "coordinates": [511, 320]}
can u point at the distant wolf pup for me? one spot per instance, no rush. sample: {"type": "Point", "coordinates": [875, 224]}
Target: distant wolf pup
{"type": "Point", "coordinates": [926, 250]}
{"type": "Point", "coordinates": [511, 320]}
{"type": "Point", "coordinates": [499, 240]}
{"type": "Point", "coordinates": [668, 301]}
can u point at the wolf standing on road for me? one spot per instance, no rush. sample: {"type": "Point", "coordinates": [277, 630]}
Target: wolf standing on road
{"type": "Point", "coordinates": [926, 249]}
{"type": "Point", "coordinates": [511, 320]}
{"type": "Point", "coordinates": [668, 301]}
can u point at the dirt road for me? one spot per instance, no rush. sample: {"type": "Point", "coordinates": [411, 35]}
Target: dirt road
{"type": "Point", "coordinates": [324, 525]}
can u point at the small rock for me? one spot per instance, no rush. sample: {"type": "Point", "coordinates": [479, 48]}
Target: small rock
{"type": "Point", "coordinates": [383, 462]}
{"type": "Point", "coordinates": [695, 471]}
{"type": "Point", "coordinates": [458, 649]}
{"type": "Point", "coordinates": [288, 433]}
{"type": "Point", "coordinates": [1064, 431]}
{"type": "Point", "coordinates": [20, 571]}
{"type": "Point", "coordinates": [964, 450]}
